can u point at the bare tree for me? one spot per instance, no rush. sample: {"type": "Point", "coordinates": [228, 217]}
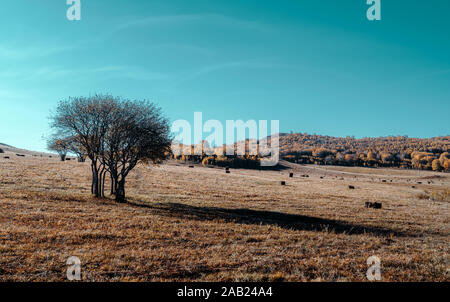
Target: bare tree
{"type": "Point", "coordinates": [60, 145]}
{"type": "Point", "coordinates": [86, 120]}
{"type": "Point", "coordinates": [77, 148]}
{"type": "Point", "coordinates": [139, 133]}
{"type": "Point", "coordinates": [114, 134]}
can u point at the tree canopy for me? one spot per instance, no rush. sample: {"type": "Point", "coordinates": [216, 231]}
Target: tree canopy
{"type": "Point", "coordinates": [115, 134]}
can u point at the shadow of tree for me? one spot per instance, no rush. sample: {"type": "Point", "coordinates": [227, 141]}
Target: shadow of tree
{"type": "Point", "coordinates": [257, 217]}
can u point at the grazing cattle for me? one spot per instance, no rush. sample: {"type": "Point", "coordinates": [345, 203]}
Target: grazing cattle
{"type": "Point", "coordinates": [228, 171]}
{"type": "Point", "coordinates": [6, 157]}
{"type": "Point", "coordinates": [283, 183]}
{"type": "Point", "coordinates": [191, 166]}
{"type": "Point", "coordinates": [291, 175]}
{"type": "Point", "coordinates": [351, 187]}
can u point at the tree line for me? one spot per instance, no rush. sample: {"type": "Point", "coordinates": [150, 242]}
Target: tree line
{"type": "Point", "coordinates": [401, 151]}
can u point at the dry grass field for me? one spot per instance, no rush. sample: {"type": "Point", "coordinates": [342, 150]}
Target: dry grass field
{"type": "Point", "coordinates": [201, 224]}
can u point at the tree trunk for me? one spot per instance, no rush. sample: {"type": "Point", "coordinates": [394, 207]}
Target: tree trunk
{"type": "Point", "coordinates": [96, 191]}
{"type": "Point", "coordinates": [113, 185]}
{"type": "Point", "coordinates": [120, 191]}
{"type": "Point", "coordinates": [103, 183]}
{"type": "Point", "coordinates": [92, 181]}
{"type": "Point", "coordinates": [101, 179]}
{"type": "Point", "coordinates": [95, 182]}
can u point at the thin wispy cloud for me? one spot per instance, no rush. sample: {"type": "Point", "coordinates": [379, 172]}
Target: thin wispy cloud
{"type": "Point", "coordinates": [255, 65]}
{"type": "Point", "coordinates": [183, 48]}
{"type": "Point", "coordinates": [20, 52]}
{"type": "Point", "coordinates": [193, 74]}
{"type": "Point", "coordinates": [106, 72]}
{"type": "Point", "coordinates": [209, 19]}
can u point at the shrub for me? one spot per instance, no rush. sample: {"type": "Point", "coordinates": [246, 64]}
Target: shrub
{"type": "Point", "coordinates": [208, 161]}
{"type": "Point", "coordinates": [322, 153]}
{"type": "Point", "coordinates": [447, 165]}
{"type": "Point", "coordinates": [223, 161]}
{"type": "Point", "coordinates": [238, 162]}
{"type": "Point", "coordinates": [1, 150]}
{"type": "Point", "coordinates": [444, 156]}
{"type": "Point", "coordinates": [436, 165]}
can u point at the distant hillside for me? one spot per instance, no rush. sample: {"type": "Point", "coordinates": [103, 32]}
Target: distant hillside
{"type": "Point", "coordinates": [10, 149]}
{"type": "Point", "coordinates": [398, 151]}
{"type": "Point", "coordinates": [302, 148]}
{"type": "Point", "coordinates": [394, 144]}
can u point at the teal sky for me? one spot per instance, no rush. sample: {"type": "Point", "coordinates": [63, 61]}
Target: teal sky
{"type": "Point", "coordinates": [317, 66]}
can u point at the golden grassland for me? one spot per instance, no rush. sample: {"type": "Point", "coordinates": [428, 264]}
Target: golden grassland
{"type": "Point", "coordinates": [201, 224]}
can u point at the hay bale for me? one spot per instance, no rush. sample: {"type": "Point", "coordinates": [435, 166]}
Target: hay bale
{"type": "Point", "coordinates": [377, 205]}
{"type": "Point", "coordinates": [373, 205]}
